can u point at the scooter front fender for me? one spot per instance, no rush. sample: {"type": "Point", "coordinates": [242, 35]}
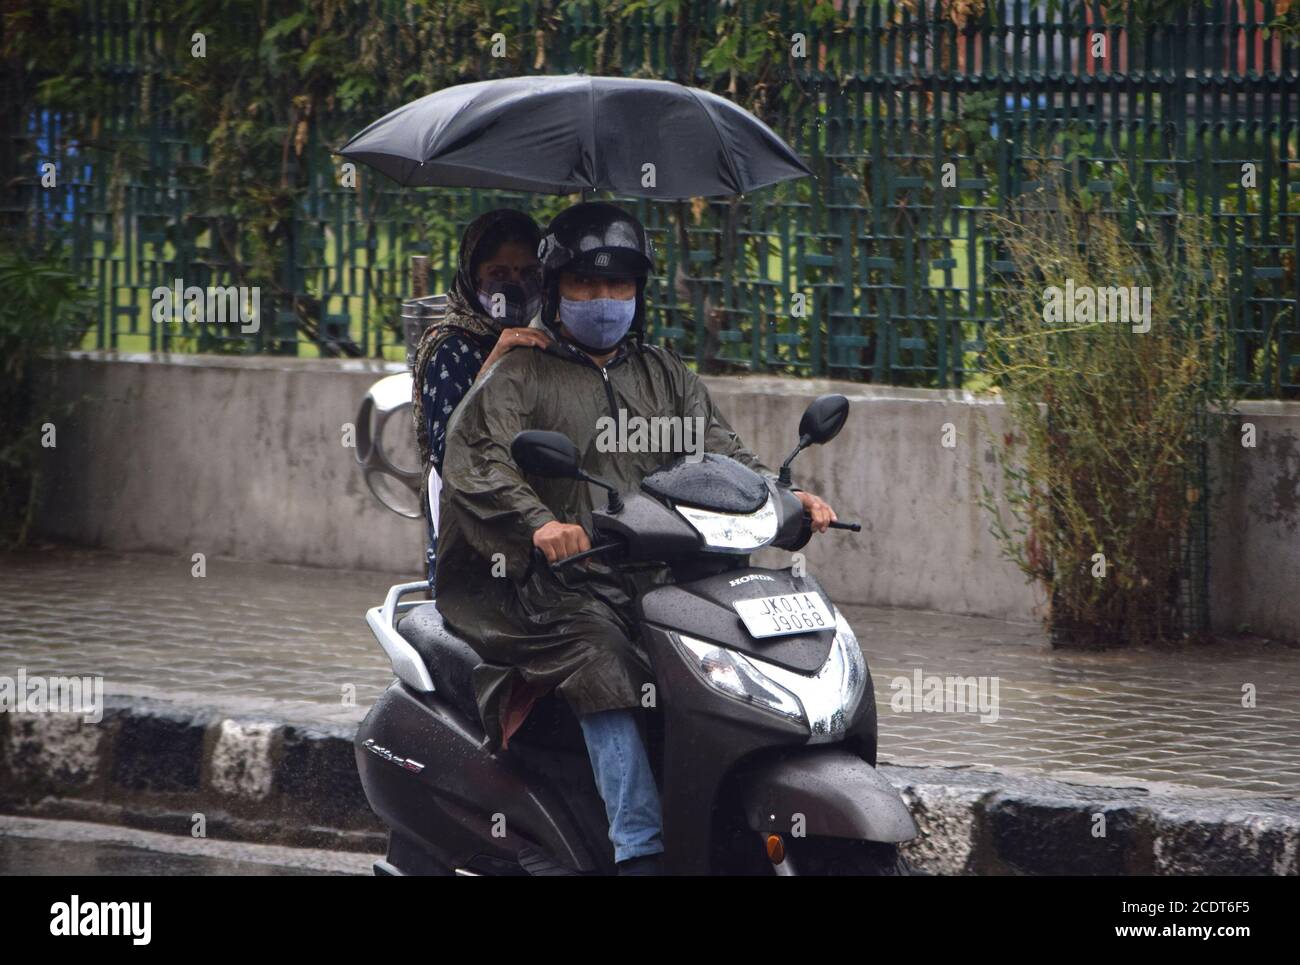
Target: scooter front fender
{"type": "Point", "coordinates": [838, 794]}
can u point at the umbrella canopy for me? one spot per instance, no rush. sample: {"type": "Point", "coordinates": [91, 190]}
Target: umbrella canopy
{"type": "Point", "coordinates": [569, 133]}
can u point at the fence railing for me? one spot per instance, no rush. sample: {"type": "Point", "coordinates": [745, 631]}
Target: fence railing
{"type": "Point", "coordinates": [921, 130]}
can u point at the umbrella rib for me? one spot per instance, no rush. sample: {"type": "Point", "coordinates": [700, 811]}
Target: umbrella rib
{"type": "Point", "coordinates": [731, 166]}
{"type": "Point", "coordinates": [465, 105]}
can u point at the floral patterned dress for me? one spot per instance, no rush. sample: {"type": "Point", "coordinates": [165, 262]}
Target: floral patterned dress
{"type": "Point", "coordinates": [447, 378]}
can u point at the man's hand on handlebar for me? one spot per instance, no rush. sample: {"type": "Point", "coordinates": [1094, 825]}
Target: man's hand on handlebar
{"type": "Point", "coordinates": [817, 508]}
{"type": "Point", "coordinates": [557, 540]}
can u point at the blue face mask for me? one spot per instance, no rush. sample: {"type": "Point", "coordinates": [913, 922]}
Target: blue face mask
{"type": "Point", "coordinates": [598, 323]}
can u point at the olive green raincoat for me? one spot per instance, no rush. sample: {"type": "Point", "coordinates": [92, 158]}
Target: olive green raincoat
{"type": "Point", "coordinates": [535, 630]}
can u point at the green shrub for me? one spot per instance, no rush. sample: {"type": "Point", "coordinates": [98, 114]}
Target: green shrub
{"type": "Point", "coordinates": [43, 310]}
{"type": "Point", "coordinates": [1104, 467]}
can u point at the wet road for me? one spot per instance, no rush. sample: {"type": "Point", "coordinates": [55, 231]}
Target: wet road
{"type": "Point", "coordinates": [287, 642]}
{"type": "Point", "coordinates": [30, 846]}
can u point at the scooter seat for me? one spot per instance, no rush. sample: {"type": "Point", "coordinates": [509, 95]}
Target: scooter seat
{"type": "Point", "coordinates": [451, 661]}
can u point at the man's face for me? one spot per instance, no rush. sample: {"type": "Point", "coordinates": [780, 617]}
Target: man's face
{"type": "Point", "coordinates": [582, 288]}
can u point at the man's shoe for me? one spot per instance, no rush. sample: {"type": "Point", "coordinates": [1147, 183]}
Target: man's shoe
{"type": "Point", "coordinates": [646, 864]}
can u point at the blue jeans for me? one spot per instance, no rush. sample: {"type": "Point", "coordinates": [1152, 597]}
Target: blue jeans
{"type": "Point", "coordinates": [625, 782]}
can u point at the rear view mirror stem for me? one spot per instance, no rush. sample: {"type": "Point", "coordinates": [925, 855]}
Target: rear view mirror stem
{"type": "Point", "coordinates": [784, 478]}
{"type": "Point", "coordinates": [615, 498]}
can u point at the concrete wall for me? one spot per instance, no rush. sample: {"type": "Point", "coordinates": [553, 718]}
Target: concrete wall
{"type": "Point", "coordinates": [234, 457]}
{"type": "Point", "coordinates": [1255, 540]}
{"type": "Point", "coordinates": [243, 457]}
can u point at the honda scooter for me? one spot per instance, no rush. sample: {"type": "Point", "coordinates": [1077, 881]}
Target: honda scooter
{"type": "Point", "coordinates": [762, 729]}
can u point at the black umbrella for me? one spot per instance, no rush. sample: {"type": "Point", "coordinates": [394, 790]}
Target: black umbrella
{"type": "Point", "coordinates": [570, 133]}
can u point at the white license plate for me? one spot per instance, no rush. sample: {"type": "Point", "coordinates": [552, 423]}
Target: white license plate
{"type": "Point", "coordinates": [773, 616]}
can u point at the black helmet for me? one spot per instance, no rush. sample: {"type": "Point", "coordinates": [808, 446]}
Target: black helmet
{"type": "Point", "coordinates": [594, 238]}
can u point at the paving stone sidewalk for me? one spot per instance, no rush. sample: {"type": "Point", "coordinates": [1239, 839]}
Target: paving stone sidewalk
{"type": "Point", "coordinates": [290, 643]}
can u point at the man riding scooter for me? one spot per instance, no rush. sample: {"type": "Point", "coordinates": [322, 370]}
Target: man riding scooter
{"type": "Point", "coordinates": [572, 632]}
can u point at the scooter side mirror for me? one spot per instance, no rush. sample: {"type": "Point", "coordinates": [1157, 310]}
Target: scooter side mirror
{"type": "Point", "coordinates": [821, 422]}
{"type": "Point", "coordinates": [542, 453]}
{"type": "Point", "coordinates": [554, 455]}
{"type": "Point", "coordinates": [823, 419]}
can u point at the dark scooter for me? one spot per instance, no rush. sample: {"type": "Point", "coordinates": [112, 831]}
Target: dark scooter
{"type": "Point", "coordinates": [763, 731]}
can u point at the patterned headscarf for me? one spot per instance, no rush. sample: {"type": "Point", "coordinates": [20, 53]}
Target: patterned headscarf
{"type": "Point", "coordinates": [464, 315]}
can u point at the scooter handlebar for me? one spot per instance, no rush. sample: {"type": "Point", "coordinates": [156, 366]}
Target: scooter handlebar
{"type": "Point", "coordinates": [539, 558]}
{"type": "Point", "coordinates": [807, 526]}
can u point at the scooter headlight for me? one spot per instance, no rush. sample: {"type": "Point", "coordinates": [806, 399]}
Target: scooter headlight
{"type": "Point", "coordinates": [732, 673]}
{"type": "Point", "coordinates": [734, 532]}
{"type": "Point", "coordinates": [844, 679]}
{"type": "Point", "coordinates": [826, 701]}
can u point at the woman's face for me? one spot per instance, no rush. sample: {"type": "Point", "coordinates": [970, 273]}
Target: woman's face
{"type": "Point", "coordinates": [511, 262]}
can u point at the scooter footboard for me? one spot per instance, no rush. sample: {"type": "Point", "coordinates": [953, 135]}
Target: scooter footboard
{"type": "Point", "coordinates": [826, 792]}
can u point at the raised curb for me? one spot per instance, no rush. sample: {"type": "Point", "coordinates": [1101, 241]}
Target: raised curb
{"type": "Point", "coordinates": [160, 766]}
{"type": "Point", "coordinates": [988, 823]}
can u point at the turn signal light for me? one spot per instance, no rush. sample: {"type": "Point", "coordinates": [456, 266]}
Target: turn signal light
{"type": "Point", "coordinates": [775, 848]}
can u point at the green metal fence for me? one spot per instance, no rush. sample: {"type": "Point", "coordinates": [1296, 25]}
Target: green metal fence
{"type": "Point", "coordinates": [921, 128]}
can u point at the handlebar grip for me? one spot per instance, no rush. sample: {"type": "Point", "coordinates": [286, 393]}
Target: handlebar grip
{"type": "Point", "coordinates": [583, 555]}
{"type": "Point", "coordinates": [807, 522]}
{"type": "Point", "coordinates": [539, 558]}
